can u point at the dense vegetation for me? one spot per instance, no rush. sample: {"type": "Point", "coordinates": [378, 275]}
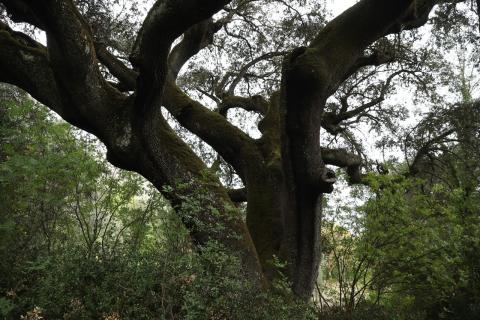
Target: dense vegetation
{"type": "Point", "coordinates": [83, 240]}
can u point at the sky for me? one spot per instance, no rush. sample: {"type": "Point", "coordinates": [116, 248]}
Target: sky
{"type": "Point", "coordinates": [335, 6]}
{"type": "Point", "coordinates": [338, 6]}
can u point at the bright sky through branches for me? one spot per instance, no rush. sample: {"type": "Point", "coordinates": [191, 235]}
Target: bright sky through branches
{"type": "Point", "coordinates": [338, 6]}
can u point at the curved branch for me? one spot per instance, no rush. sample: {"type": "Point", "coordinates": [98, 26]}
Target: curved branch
{"type": "Point", "coordinates": [69, 81]}
{"type": "Point", "coordinates": [165, 21]}
{"type": "Point", "coordinates": [231, 143]}
{"type": "Point", "coordinates": [24, 63]}
{"type": "Point", "coordinates": [118, 69]}
{"type": "Point", "coordinates": [414, 167]}
{"type": "Point", "coordinates": [338, 48]}
{"type": "Point", "coordinates": [344, 159]}
{"type": "Point", "coordinates": [377, 58]}
{"type": "Point", "coordinates": [331, 120]}
{"type": "Point", "coordinates": [89, 98]}
{"type": "Point", "coordinates": [194, 39]}
{"type": "Point", "coordinates": [256, 103]}
{"type": "Point", "coordinates": [244, 69]}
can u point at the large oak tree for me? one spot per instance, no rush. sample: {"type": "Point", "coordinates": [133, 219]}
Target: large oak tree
{"type": "Point", "coordinates": [80, 75]}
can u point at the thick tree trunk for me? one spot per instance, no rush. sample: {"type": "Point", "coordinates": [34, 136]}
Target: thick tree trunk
{"type": "Point", "coordinates": [302, 106]}
{"type": "Point", "coordinates": [195, 193]}
{"type": "Point", "coordinates": [286, 184]}
{"type": "Point", "coordinates": [284, 219]}
{"type": "Point", "coordinates": [268, 201]}
{"type": "Point", "coordinates": [278, 230]}
{"type": "Point", "coordinates": [310, 75]}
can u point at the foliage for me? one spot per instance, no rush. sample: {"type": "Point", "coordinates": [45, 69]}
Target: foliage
{"type": "Point", "coordinates": [80, 240]}
{"type": "Point", "coordinates": [409, 252]}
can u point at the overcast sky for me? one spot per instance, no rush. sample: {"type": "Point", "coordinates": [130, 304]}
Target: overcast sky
{"type": "Point", "coordinates": [338, 6]}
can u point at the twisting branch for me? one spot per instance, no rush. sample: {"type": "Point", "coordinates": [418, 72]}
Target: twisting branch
{"type": "Point", "coordinates": [117, 68]}
{"type": "Point", "coordinates": [166, 21]}
{"type": "Point", "coordinates": [256, 103]}
{"type": "Point", "coordinates": [194, 39]}
{"type": "Point", "coordinates": [230, 142]}
{"type": "Point", "coordinates": [27, 67]}
{"type": "Point", "coordinates": [69, 81]}
{"type": "Point", "coordinates": [344, 159]}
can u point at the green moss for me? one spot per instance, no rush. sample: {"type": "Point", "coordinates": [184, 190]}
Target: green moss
{"type": "Point", "coordinates": [9, 39]}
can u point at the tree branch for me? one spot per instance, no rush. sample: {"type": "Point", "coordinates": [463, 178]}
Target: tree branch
{"type": "Point", "coordinates": [340, 45]}
{"type": "Point", "coordinates": [256, 103]}
{"type": "Point", "coordinates": [194, 39]}
{"type": "Point", "coordinates": [231, 143]}
{"type": "Point", "coordinates": [242, 72]}
{"type": "Point", "coordinates": [238, 195]}
{"type": "Point", "coordinates": [343, 159]}
{"type": "Point", "coordinates": [69, 81]}
{"type": "Point", "coordinates": [19, 12]}
{"type": "Point", "coordinates": [331, 120]}
{"type": "Point", "coordinates": [28, 67]}
{"type": "Point", "coordinates": [166, 21]}
{"type": "Point", "coordinates": [415, 167]}
{"type": "Point", "coordinates": [118, 69]}
{"type": "Point", "coordinates": [377, 58]}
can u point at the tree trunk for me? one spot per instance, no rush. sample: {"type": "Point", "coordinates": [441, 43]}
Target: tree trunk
{"type": "Point", "coordinates": [285, 185]}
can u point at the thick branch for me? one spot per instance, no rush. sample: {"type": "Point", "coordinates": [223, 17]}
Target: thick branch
{"type": "Point", "coordinates": [28, 67]}
{"type": "Point", "coordinates": [340, 45]}
{"type": "Point", "coordinates": [344, 159]}
{"type": "Point", "coordinates": [166, 21]}
{"type": "Point", "coordinates": [19, 12]}
{"type": "Point", "coordinates": [377, 58]}
{"type": "Point", "coordinates": [256, 103]}
{"type": "Point", "coordinates": [231, 143]}
{"type": "Point", "coordinates": [194, 39]}
{"type": "Point", "coordinates": [118, 69]}
{"type": "Point", "coordinates": [238, 195]}
{"type": "Point", "coordinates": [71, 55]}
{"type": "Point", "coordinates": [348, 35]}
{"type": "Point", "coordinates": [69, 82]}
